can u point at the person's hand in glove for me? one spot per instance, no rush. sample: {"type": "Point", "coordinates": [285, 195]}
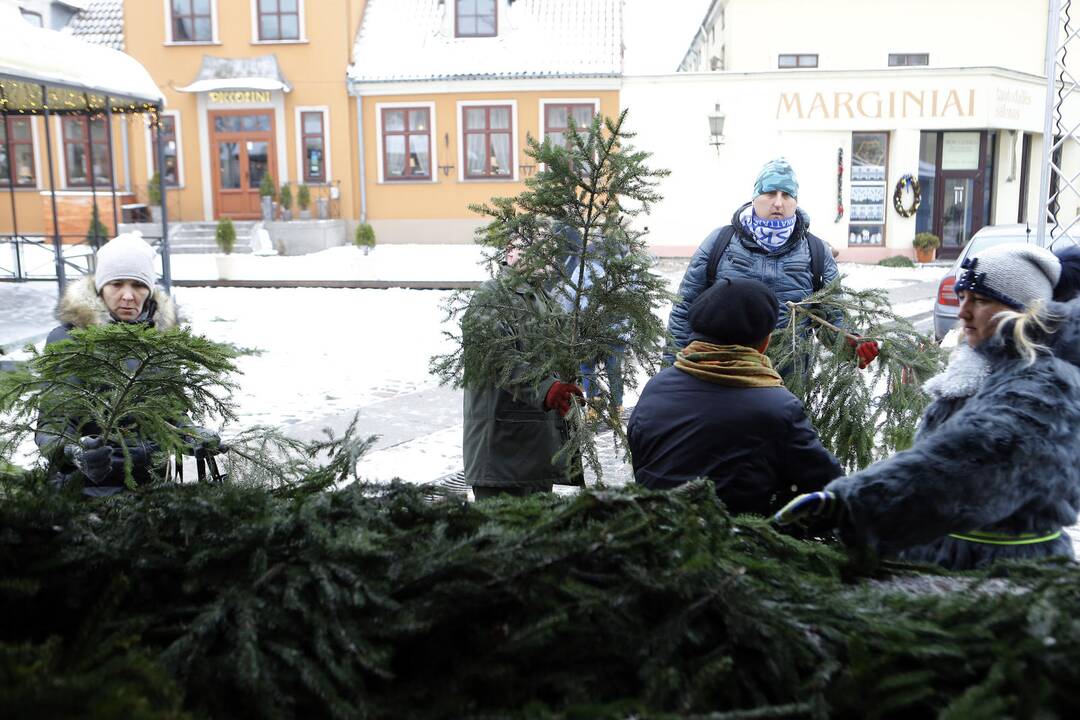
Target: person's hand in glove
{"type": "Point", "coordinates": [560, 395]}
{"type": "Point", "coordinates": [93, 459]}
{"type": "Point", "coordinates": [814, 506]}
{"type": "Point", "coordinates": [865, 350]}
{"type": "Point", "coordinates": [99, 462]}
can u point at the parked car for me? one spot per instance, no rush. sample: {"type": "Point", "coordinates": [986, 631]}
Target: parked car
{"type": "Point", "coordinates": [947, 305]}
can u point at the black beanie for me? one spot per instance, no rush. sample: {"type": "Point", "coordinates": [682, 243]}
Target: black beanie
{"type": "Point", "coordinates": [735, 312]}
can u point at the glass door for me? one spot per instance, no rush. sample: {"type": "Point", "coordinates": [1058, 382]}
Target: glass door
{"type": "Point", "coordinates": [244, 152]}
{"type": "Point", "coordinates": [957, 213]}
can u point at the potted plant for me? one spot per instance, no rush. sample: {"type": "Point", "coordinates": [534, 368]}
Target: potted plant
{"type": "Point", "coordinates": [926, 245]}
{"type": "Point", "coordinates": [285, 201]}
{"type": "Point", "coordinates": [225, 235]}
{"type": "Point", "coordinates": [98, 232]}
{"type": "Point", "coordinates": [303, 201]}
{"type": "Point", "coordinates": [365, 237]}
{"type": "Point", "coordinates": [267, 195]}
{"type": "Point", "coordinates": [153, 194]}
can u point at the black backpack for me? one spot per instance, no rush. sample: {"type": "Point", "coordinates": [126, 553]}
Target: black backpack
{"type": "Point", "coordinates": [817, 257]}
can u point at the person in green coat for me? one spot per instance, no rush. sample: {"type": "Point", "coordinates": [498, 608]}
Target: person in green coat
{"type": "Point", "coordinates": [512, 431]}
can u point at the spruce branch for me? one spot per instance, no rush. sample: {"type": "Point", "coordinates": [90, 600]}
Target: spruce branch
{"type": "Point", "coordinates": [861, 415]}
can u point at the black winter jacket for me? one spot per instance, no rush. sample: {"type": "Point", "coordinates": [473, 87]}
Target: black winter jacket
{"type": "Point", "coordinates": [996, 453]}
{"type": "Point", "coordinates": [755, 444]}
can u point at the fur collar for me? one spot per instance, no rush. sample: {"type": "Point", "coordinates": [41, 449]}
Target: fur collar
{"type": "Point", "coordinates": [962, 378]}
{"type": "Point", "coordinates": [82, 307]}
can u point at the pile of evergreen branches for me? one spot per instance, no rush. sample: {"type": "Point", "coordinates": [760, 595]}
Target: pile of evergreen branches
{"type": "Point", "coordinates": [369, 601]}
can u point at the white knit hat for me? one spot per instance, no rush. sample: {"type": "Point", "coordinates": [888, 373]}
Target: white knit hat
{"type": "Point", "coordinates": [1016, 274]}
{"type": "Point", "coordinates": [125, 257]}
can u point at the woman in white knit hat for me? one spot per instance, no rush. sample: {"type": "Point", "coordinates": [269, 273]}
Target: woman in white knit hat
{"type": "Point", "coordinates": [993, 472]}
{"type": "Point", "coordinates": [122, 289]}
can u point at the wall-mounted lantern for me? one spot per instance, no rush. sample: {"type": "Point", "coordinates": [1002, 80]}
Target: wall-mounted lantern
{"type": "Point", "coordinates": [716, 129]}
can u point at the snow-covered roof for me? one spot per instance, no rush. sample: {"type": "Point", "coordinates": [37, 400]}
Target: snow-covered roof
{"type": "Point", "coordinates": [409, 40]}
{"type": "Point", "coordinates": [100, 22]}
{"type": "Point", "coordinates": [251, 73]}
{"type": "Point", "coordinates": [68, 67]}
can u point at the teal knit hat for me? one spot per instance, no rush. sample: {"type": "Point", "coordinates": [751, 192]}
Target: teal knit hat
{"type": "Point", "coordinates": [776, 175]}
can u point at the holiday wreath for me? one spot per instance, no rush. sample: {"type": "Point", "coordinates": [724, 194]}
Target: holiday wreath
{"type": "Point", "coordinates": [904, 183]}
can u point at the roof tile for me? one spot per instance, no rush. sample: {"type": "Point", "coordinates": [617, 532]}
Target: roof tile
{"type": "Point", "coordinates": [101, 23]}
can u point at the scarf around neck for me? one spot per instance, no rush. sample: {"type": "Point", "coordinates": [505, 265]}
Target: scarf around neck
{"type": "Point", "coordinates": [730, 365]}
{"type": "Point", "coordinates": [769, 234]}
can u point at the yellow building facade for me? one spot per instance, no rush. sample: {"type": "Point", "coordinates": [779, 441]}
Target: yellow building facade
{"type": "Point", "coordinates": [400, 113]}
{"type": "Point", "coordinates": [252, 87]}
{"type": "Point", "coordinates": [448, 93]}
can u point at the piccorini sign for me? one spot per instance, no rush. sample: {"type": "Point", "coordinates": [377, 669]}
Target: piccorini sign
{"type": "Point", "coordinates": [240, 96]}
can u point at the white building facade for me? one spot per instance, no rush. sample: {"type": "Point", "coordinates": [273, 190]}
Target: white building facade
{"type": "Point", "coordinates": [861, 98]}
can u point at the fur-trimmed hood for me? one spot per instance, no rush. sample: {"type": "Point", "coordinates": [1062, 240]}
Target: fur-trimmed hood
{"type": "Point", "coordinates": [81, 307]}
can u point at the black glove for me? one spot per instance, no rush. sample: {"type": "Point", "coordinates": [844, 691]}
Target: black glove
{"type": "Point", "coordinates": [98, 462]}
{"type": "Point", "coordinates": [93, 460]}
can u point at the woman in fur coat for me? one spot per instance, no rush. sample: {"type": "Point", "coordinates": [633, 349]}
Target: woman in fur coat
{"type": "Point", "coordinates": [122, 289]}
{"type": "Point", "coordinates": [993, 472]}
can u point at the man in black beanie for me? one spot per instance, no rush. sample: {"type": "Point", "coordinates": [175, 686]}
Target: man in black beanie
{"type": "Point", "coordinates": [722, 411]}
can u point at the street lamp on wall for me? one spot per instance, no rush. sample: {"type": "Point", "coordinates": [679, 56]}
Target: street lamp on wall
{"type": "Point", "coordinates": [716, 129]}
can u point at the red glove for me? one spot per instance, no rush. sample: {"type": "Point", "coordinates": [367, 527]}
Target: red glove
{"type": "Point", "coordinates": [559, 397]}
{"type": "Point", "coordinates": [865, 350]}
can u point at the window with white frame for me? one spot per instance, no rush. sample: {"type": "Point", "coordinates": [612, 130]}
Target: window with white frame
{"type": "Point", "coordinates": [313, 146]}
{"type": "Point", "coordinates": [488, 141]}
{"type": "Point", "coordinates": [475, 18]}
{"type": "Point", "coordinates": [170, 147]}
{"type": "Point", "coordinates": [191, 21]}
{"type": "Point", "coordinates": [406, 143]}
{"type": "Point", "coordinates": [278, 20]}
{"type": "Point", "coordinates": [86, 150]}
{"type": "Point", "coordinates": [557, 116]}
{"type": "Point", "coordinates": [17, 134]}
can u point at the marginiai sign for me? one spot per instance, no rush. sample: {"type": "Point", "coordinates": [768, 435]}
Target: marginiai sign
{"type": "Point", "coordinates": [874, 105]}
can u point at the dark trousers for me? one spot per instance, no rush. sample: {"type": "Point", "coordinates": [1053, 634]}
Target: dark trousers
{"type": "Point", "coordinates": [483, 492]}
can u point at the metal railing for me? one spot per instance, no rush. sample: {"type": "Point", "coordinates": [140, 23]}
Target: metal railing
{"type": "Point", "coordinates": [29, 257]}
{"type": "Point", "coordinates": [1058, 189]}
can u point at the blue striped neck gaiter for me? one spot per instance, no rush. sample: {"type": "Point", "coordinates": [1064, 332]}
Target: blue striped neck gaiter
{"type": "Point", "coordinates": [769, 234]}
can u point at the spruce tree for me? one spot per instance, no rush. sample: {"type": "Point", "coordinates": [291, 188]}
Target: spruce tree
{"type": "Point", "coordinates": [130, 381]}
{"type": "Point", "coordinates": [570, 229]}
{"type": "Point", "coordinates": [861, 415]}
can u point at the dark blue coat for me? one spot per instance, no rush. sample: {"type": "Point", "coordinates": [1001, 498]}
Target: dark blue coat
{"type": "Point", "coordinates": [999, 458]}
{"type": "Point", "coordinates": [786, 271]}
{"type": "Point", "coordinates": [755, 444]}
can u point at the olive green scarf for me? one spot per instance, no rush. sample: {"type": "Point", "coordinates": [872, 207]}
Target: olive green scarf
{"type": "Point", "coordinates": [731, 365]}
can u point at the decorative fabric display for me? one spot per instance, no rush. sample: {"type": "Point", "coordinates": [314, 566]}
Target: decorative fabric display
{"type": "Point", "coordinates": [770, 234]}
{"type": "Point", "coordinates": [776, 175]}
{"type": "Point", "coordinates": [736, 311]}
{"type": "Point", "coordinates": [125, 257]}
{"type": "Point", "coordinates": [839, 184]}
{"type": "Point", "coordinates": [1015, 274]}
{"type": "Point", "coordinates": [907, 182]}
{"type": "Point", "coordinates": [731, 365]}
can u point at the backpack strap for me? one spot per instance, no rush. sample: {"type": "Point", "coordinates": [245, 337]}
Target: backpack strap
{"type": "Point", "coordinates": [723, 239]}
{"type": "Point", "coordinates": [817, 261]}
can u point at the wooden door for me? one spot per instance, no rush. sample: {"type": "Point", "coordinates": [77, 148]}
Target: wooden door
{"type": "Point", "coordinates": [242, 148]}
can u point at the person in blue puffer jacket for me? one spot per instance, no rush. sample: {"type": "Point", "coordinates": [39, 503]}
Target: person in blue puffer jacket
{"type": "Point", "coordinates": [768, 240]}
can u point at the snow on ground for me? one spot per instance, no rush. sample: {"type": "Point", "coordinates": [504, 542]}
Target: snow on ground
{"type": "Point", "coordinates": [385, 262]}
{"type": "Point", "coordinates": [864, 277]}
{"type": "Point", "coordinates": [320, 351]}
